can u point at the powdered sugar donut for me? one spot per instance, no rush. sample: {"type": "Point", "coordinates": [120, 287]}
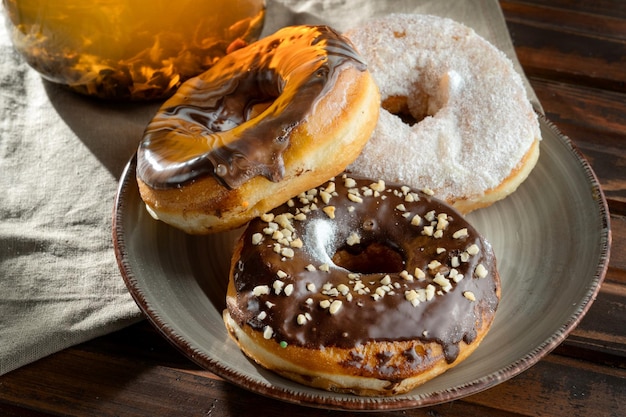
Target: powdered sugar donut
{"type": "Point", "coordinates": [455, 117]}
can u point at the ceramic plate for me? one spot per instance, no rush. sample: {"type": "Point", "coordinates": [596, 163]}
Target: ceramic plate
{"type": "Point", "coordinates": [551, 238]}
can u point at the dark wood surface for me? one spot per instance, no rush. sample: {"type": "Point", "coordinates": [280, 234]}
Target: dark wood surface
{"type": "Point", "coordinates": [574, 53]}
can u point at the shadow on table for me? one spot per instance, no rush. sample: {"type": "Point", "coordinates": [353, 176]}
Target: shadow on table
{"type": "Point", "coordinates": [110, 130]}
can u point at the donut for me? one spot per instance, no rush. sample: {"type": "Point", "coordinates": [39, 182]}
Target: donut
{"type": "Point", "coordinates": [455, 117]}
{"type": "Point", "coordinates": [361, 287]}
{"type": "Point", "coordinates": [265, 123]}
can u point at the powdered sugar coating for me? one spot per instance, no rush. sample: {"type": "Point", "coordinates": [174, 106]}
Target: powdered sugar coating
{"type": "Point", "coordinates": [475, 121]}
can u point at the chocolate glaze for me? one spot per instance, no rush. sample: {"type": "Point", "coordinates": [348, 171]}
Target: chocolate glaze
{"type": "Point", "coordinates": [210, 126]}
{"type": "Point", "coordinates": [447, 319]}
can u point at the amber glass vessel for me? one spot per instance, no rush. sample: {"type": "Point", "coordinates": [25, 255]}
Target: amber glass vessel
{"type": "Point", "coordinates": [129, 49]}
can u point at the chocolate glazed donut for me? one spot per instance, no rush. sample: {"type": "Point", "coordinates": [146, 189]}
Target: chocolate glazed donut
{"type": "Point", "coordinates": [361, 287]}
{"type": "Point", "coordinates": [265, 123]}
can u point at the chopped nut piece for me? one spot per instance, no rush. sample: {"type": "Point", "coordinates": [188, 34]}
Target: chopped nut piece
{"type": "Point", "coordinates": [353, 239]}
{"type": "Point", "coordinates": [284, 220]}
{"type": "Point", "coordinates": [428, 191]}
{"type": "Point", "coordinates": [428, 231]}
{"type": "Point", "coordinates": [296, 243]}
{"type": "Point", "coordinates": [301, 319]}
{"type": "Point", "coordinates": [378, 186]}
{"type": "Point", "coordinates": [261, 290]}
{"type": "Point", "coordinates": [430, 292]}
{"type": "Point", "coordinates": [267, 217]}
{"type": "Point", "coordinates": [412, 297]}
{"type": "Point", "coordinates": [442, 221]}
{"type": "Point", "coordinates": [406, 276]}
{"type": "Point", "coordinates": [469, 295]}
{"type": "Point", "coordinates": [419, 274]}
{"type": "Point", "coordinates": [325, 303]}
{"type": "Point", "coordinates": [330, 211]}
{"type": "Point", "coordinates": [262, 315]}
{"type": "Point", "coordinates": [461, 233]}
{"type": "Point", "coordinates": [326, 196]}
{"type": "Point", "coordinates": [324, 267]}
{"type": "Point", "coordinates": [343, 289]}
{"type": "Point", "coordinates": [416, 220]}
{"type": "Point", "coordinates": [311, 287]}
{"type": "Point", "coordinates": [257, 238]}
{"type": "Point", "coordinates": [278, 286]}
{"type": "Point", "coordinates": [481, 271]}
{"type": "Point", "coordinates": [267, 332]}
{"type": "Point", "coordinates": [335, 306]}
{"type": "Point", "coordinates": [288, 290]}
{"type": "Point", "coordinates": [434, 264]}
{"type": "Point", "coordinates": [400, 207]}
{"type": "Point", "coordinates": [287, 252]}
{"type": "Point", "coordinates": [443, 282]}
{"type": "Point", "coordinates": [354, 198]}
{"type": "Point", "coordinates": [440, 250]}
{"type": "Point", "coordinates": [473, 249]}
{"type": "Point", "coordinates": [310, 268]}
{"type": "Point", "coordinates": [332, 292]}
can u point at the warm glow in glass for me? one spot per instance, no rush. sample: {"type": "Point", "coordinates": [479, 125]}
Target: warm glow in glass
{"type": "Point", "coordinates": [129, 49]}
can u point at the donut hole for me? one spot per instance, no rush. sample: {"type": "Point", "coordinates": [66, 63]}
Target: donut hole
{"type": "Point", "coordinates": [368, 259]}
{"type": "Point", "coordinates": [410, 112]}
{"type": "Point", "coordinates": [258, 107]}
{"type": "Point", "coordinates": [418, 104]}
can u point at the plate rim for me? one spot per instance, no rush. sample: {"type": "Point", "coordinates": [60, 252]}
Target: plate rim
{"type": "Point", "coordinates": [357, 403]}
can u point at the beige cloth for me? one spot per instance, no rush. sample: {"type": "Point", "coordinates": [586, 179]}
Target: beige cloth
{"type": "Point", "coordinates": [61, 156]}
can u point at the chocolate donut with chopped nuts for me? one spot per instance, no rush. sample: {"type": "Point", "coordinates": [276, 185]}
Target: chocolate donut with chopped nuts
{"type": "Point", "coordinates": [362, 287]}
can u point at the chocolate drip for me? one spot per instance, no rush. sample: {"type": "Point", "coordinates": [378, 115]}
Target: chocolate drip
{"type": "Point", "coordinates": [211, 125]}
{"type": "Point", "coordinates": [448, 318]}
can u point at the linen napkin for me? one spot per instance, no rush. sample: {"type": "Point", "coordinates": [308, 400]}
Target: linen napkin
{"type": "Point", "coordinates": [61, 157]}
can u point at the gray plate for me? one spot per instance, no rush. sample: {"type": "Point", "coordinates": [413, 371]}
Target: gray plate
{"type": "Point", "coordinates": [551, 238]}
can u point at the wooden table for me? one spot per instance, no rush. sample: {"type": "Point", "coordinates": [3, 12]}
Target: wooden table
{"type": "Point", "coordinates": [574, 53]}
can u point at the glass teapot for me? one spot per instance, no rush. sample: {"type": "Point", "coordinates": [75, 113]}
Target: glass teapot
{"type": "Point", "coordinates": [129, 49]}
